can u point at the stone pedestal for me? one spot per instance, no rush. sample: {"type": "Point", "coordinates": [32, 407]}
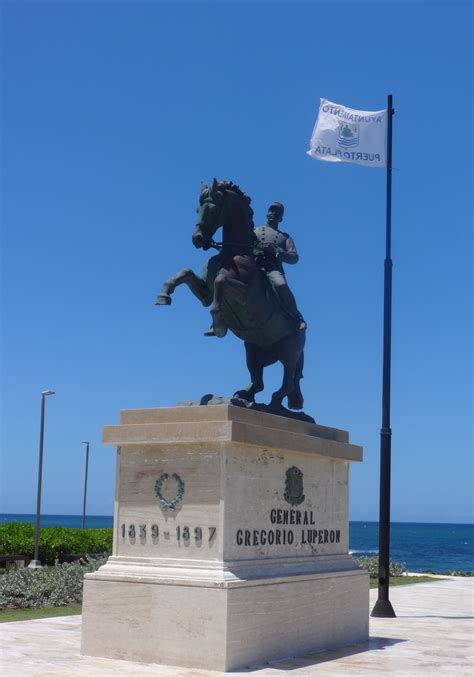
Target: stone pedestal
{"type": "Point", "coordinates": [230, 541]}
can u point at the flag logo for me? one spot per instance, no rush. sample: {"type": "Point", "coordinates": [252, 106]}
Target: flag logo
{"type": "Point", "coordinates": [343, 134]}
{"type": "Point", "coordinates": [348, 135]}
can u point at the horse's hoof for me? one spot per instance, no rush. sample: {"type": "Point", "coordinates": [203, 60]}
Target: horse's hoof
{"type": "Point", "coordinates": [295, 401]}
{"type": "Point", "coordinates": [243, 395]}
{"type": "Point", "coordinates": [163, 300]}
{"type": "Point", "coordinates": [276, 405]}
{"type": "Point", "coordinates": [220, 331]}
{"type": "Point", "coordinates": [210, 332]}
{"type": "Point", "coordinates": [219, 327]}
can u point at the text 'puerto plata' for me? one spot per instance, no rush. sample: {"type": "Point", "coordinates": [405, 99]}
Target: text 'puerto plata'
{"type": "Point", "coordinates": [343, 134]}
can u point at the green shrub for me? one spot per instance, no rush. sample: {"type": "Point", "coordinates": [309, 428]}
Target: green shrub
{"type": "Point", "coordinates": [51, 586]}
{"type": "Point", "coordinates": [18, 538]}
{"type": "Point", "coordinates": [371, 564]}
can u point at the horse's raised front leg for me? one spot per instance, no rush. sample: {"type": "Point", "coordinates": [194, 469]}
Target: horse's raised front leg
{"type": "Point", "coordinates": [225, 283]}
{"type": "Point", "coordinates": [219, 325]}
{"type": "Point", "coordinates": [185, 276]}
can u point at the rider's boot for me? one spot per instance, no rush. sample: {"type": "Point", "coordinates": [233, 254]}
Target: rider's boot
{"type": "Point", "coordinates": [303, 324]}
{"type": "Point", "coordinates": [289, 303]}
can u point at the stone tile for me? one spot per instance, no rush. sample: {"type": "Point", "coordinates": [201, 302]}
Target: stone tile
{"type": "Point", "coordinates": [432, 635]}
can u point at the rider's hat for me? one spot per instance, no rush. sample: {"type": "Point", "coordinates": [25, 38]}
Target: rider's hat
{"type": "Point", "coordinates": [279, 205]}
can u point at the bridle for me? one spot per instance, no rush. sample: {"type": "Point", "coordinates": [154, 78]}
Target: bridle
{"type": "Point", "coordinates": [220, 245]}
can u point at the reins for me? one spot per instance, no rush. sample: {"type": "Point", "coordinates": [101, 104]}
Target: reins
{"type": "Point", "coordinates": [220, 245]}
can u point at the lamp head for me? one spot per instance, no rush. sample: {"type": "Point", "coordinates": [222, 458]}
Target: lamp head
{"type": "Point", "coordinates": [47, 392]}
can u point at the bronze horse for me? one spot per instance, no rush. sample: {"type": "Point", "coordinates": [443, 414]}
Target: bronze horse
{"type": "Point", "coordinates": [240, 295]}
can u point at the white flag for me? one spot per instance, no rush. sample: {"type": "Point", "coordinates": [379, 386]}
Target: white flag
{"type": "Point", "coordinates": [346, 135]}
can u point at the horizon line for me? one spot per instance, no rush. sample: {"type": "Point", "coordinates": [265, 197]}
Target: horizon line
{"type": "Point", "coordinates": [369, 521]}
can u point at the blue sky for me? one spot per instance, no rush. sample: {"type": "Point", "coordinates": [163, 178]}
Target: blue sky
{"type": "Point", "coordinates": [113, 113]}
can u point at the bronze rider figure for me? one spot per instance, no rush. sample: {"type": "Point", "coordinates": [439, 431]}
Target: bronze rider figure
{"type": "Point", "coordinates": [273, 248]}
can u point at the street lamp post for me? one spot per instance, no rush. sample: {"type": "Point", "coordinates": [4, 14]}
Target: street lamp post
{"type": "Point", "coordinates": [86, 442]}
{"type": "Point", "coordinates": [35, 562]}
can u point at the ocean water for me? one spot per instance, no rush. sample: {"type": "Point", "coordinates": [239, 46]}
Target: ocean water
{"type": "Point", "coordinates": [421, 546]}
{"type": "Point", "coordinates": [72, 521]}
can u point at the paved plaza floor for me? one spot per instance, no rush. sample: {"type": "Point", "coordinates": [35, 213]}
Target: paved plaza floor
{"type": "Point", "coordinates": [432, 635]}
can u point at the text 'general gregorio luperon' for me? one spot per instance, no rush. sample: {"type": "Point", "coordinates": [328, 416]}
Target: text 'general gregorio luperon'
{"type": "Point", "coordinates": [276, 536]}
{"type": "Point", "coordinates": [287, 536]}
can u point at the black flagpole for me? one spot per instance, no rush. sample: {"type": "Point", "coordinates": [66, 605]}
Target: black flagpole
{"type": "Point", "coordinates": [383, 607]}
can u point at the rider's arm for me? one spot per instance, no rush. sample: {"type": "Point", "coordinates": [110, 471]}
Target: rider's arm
{"type": "Point", "coordinates": [288, 254]}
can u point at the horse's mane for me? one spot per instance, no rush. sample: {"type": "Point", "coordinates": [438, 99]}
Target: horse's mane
{"type": "Point", "coordinates": [234, 188]}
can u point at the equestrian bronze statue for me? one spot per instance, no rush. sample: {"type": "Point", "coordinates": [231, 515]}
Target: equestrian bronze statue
{"type": "Point", "coordinates": [237, 284]}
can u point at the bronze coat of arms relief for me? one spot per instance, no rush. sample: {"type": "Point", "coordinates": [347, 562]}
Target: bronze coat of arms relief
{"type": "Point", "coordinates": [294, 486]}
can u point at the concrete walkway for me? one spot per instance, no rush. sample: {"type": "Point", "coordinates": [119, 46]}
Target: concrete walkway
{"type": "Point", "coordinates": [432, 635]}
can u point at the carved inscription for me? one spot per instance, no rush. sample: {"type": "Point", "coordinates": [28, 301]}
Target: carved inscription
{"type": "Point", "coordinates": [308, 534]}
{"type": "Point", "coordinates": [276, 536]}
{"type": "Point", "coordinates": [182, 534]}
{"type": "Point", "coordinates": [257, 537]}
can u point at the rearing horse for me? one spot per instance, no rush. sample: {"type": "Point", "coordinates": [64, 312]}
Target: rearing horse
{"type": "Point", "coordinates": [240, 295]}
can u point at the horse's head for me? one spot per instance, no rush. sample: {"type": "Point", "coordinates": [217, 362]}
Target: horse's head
{"type": "Point", "coordinates": [223, 202]}
{"type": "Point", "coordinates": [210, 214]}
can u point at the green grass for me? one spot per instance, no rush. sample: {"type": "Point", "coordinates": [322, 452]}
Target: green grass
{"type": "Point", "coordinates": [9, 615]}
{"type": "Point", "coordinates": [404, 580]}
